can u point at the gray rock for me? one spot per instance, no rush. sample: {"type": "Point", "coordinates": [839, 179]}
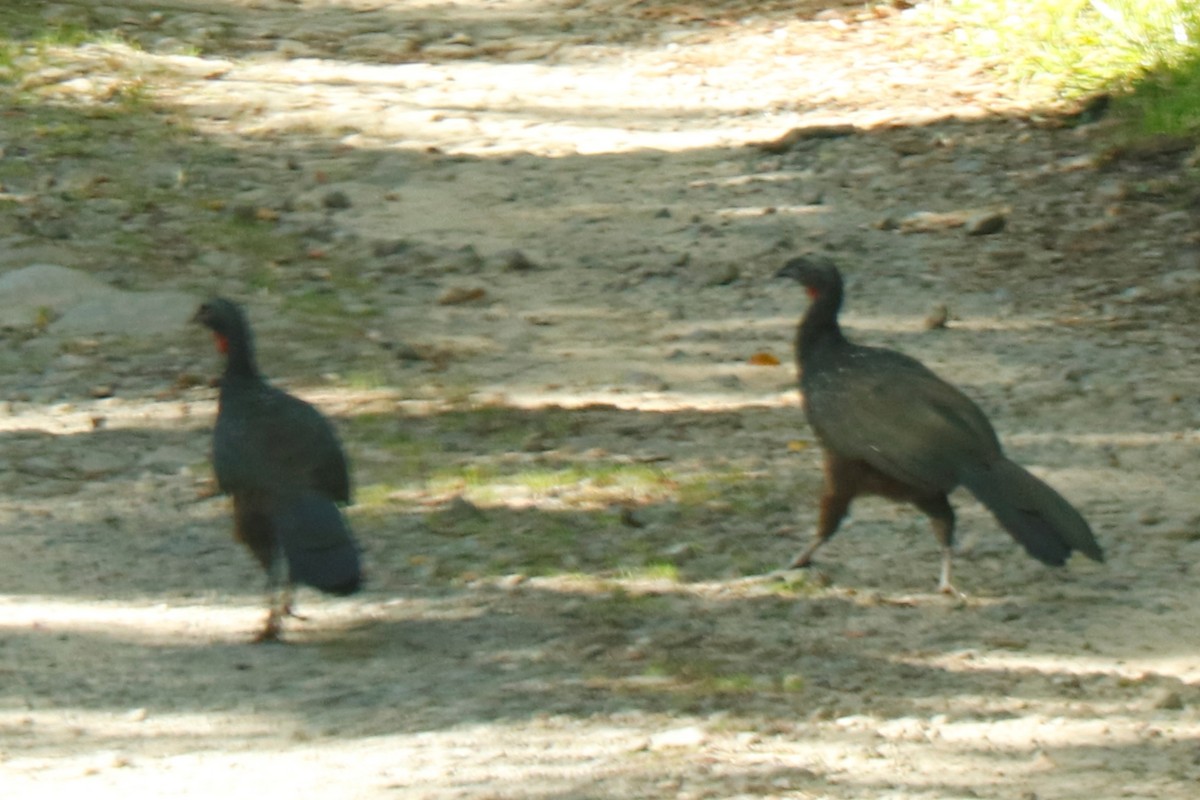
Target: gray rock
{"type": "Point", "coordinates": [1179, 279]}
{"type": "Point", "coordinates": [462, 259]}
{"type": "Point", "coordinates": [985, 223]}
{"type": "Point", "coordinates": [969, 165]}
{"type": "Point", "coordinates": [645, 380]}
{"type": "Point", "coordinates": [41, 466]}
{"type": "Point", "coordinates": [458, 295]}
{"type": "Point", "coordinates": [937, 317]}
{"type": "Point", "coordinates": [461, 510]}
{"type": "Point", "coordinates": [1167, 700]}
{"type": "Point", "coordinates": [129, 314]}
{"type": "Point", "coordinates": [169, 459]}
{"type": "Point", "coordinates": [80, 304]}
{"type": "Point", "coordinates": [92, 464]}
{"type": "Point", "coordinates": [812, 133]}
{"type": "Point", "coordinates": [26, 294]}
{"type": "Point", "coordinates": [720, 274]}
{"type": "Point", "coordinates": [515, 261]}
{"type": "Point", "coordinates": [1112, 190]}
{"type": "Point", "coordinates": [688, 737]}
{"type": "Point", "coordinates": [336, 200]}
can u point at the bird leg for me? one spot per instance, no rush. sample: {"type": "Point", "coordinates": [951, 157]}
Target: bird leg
{"type": "Point", "coordinates": [279, 600]}
{"type": "Point", "coordinates": [944, 584]}
{"type": "Point", "coordinates": [804, 558]}
{"type": "Point", "coordinates": [835, 502]}
{"type": "Point", "coordinates": [272, 630]}
{"type": "Point", "coordinates": [941, 519]}
{"type": "Point", "coordinates": [286, 605]}
{"type": "Point", "coordinates": [280, 608]}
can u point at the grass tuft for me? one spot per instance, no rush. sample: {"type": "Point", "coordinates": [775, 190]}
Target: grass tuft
{"type": "Point", "coordinates": [1145, 51]}
{"type": "Point", "coordinates": [1080, 46]}
{"type": "Point", "coordinates": [1167, 101]}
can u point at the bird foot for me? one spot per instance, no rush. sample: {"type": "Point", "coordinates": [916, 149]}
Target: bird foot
{"type": "Point", "coordinates": [272, 631]}
{"type": "Point", "coordinates": [268, 635]}
{"type": "Point", "coordinates": [804, 557]}
{"type": "Point", "coordinates": [949, 590]}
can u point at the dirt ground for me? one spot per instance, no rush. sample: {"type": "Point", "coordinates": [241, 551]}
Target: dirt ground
{"type": "Point", "coordinates": [528, 258]}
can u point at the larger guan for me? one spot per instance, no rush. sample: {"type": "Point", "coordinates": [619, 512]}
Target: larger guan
{"type": "Point", "coordinates": [282, 463]}
{"type": "Point", "coordinates": [891, 427]}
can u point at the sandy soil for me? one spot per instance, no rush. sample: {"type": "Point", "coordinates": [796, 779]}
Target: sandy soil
{"type": "Point", "coordinates": [555, 238]}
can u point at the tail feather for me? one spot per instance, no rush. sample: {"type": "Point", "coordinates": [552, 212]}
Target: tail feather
{"type": "Point", "coordinates": [319, 547]}
{"type": "Point", "coordinates": [1046, 525]}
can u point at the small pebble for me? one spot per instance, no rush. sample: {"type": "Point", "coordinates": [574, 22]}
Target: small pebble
{"type": "Point", "coordinates": [937, 318]}
{"type": "Point", "coordinates": [336, 200]}
{"type": "Point", "coordinates": [986, 223]}
{"type": "Point", "coordinates": [458, 295]}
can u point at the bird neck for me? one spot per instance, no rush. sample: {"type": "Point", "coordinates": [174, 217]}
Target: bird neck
{"type": "Point", "coordinates": [820, 323]}
{"type": "Point", "coordinates": [240, 356]}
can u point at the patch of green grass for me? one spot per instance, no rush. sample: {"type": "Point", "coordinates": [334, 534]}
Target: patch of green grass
{"type": "Point", "coordinates": [399, 460]}
{"type": "Point", "coordinates": [700, 676]}
{"type": "Point", "coordinates": [67, 137]}
{"type": "Point", "coordinates": [548, 548]}
{"type": "Point", "coordinates": [657, 571]}
{"type": "Point", "coordinates": [1146, 52]}
{"type": "Point", "coordinates": [706, 488]}
{"type": "Point", "coordinates": [315, 304]}
{"type": "Point", "coordinates": [261, 246]}
{"type": "Point", "coordinates": [373, 494]}
{"type": "Point", "coordinates": [30, 38]}
{"type": "Point", "coordinates": [71, 34]}
{"type": "Point", "coordinates": [382, 430]}
{"type": "Point", "coordinates": [600, 475]}
{"type": "Point", "coordinates": [621, 610]}
{"type": "Point", "coordinates": [501, 509]}
{"type": "Point", "coordinates": [732, 489]}
{"type": "Point", "coordinates": [366, 378]}
{"type": "Point", "coordinates": [503, 425]}
{"type": "Point", "coordinates": [1167, 101]}
{"type": "Point", "coordinates": [1079, 46]}
{"type": "Point", "coordinates": [499, 541]}
{"type": "Point", "coordinates": [792, 585]}
{"type": "Point", "coordinates": [133, 97]}
{"type": "Point", "coordinates": [494, 423]}
{"type": "Point", "coordinates": [25, 21]}
{"type": "Point", "coordinates": [582, 484]}
{"type": "Point", "coordinates": [475, 476]}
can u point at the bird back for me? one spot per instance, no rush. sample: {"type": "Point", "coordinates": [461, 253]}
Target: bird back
{"type": "Point", "coordinates": [268, 440]}
{"type": "Point", "coordinates": [887, 409]}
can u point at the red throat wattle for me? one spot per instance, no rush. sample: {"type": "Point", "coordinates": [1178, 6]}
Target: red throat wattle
{"type": "Point", "coordinates": [813, 294]}
{"type": "Point", "coordinates": [222, 343]}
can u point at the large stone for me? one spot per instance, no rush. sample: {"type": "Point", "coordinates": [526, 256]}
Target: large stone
{"type": "Point", "coordinates": [27, 294]}
{"type": "Point", "coordinates": [76, 303]}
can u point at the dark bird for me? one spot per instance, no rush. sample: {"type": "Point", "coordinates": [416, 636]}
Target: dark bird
{"type": "Point", "coordinates": [891, 427]}
{"type": "Point", "coordinates": [281, 461]}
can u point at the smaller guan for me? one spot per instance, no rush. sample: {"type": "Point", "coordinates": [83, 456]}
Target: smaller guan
{"type": "Point", "coordinates": [891, 427]}
{"type": "Point", "coordinates": [281, 461]}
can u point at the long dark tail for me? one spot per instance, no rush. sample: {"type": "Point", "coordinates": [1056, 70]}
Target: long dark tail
{"type": "Point", "coordinates": [320, 549]}
{"type": "Point", "coordinates": [1038, 517]}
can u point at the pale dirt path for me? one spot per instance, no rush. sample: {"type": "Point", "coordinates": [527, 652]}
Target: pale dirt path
{"type": "Point", "coordinates": [654, 231]}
